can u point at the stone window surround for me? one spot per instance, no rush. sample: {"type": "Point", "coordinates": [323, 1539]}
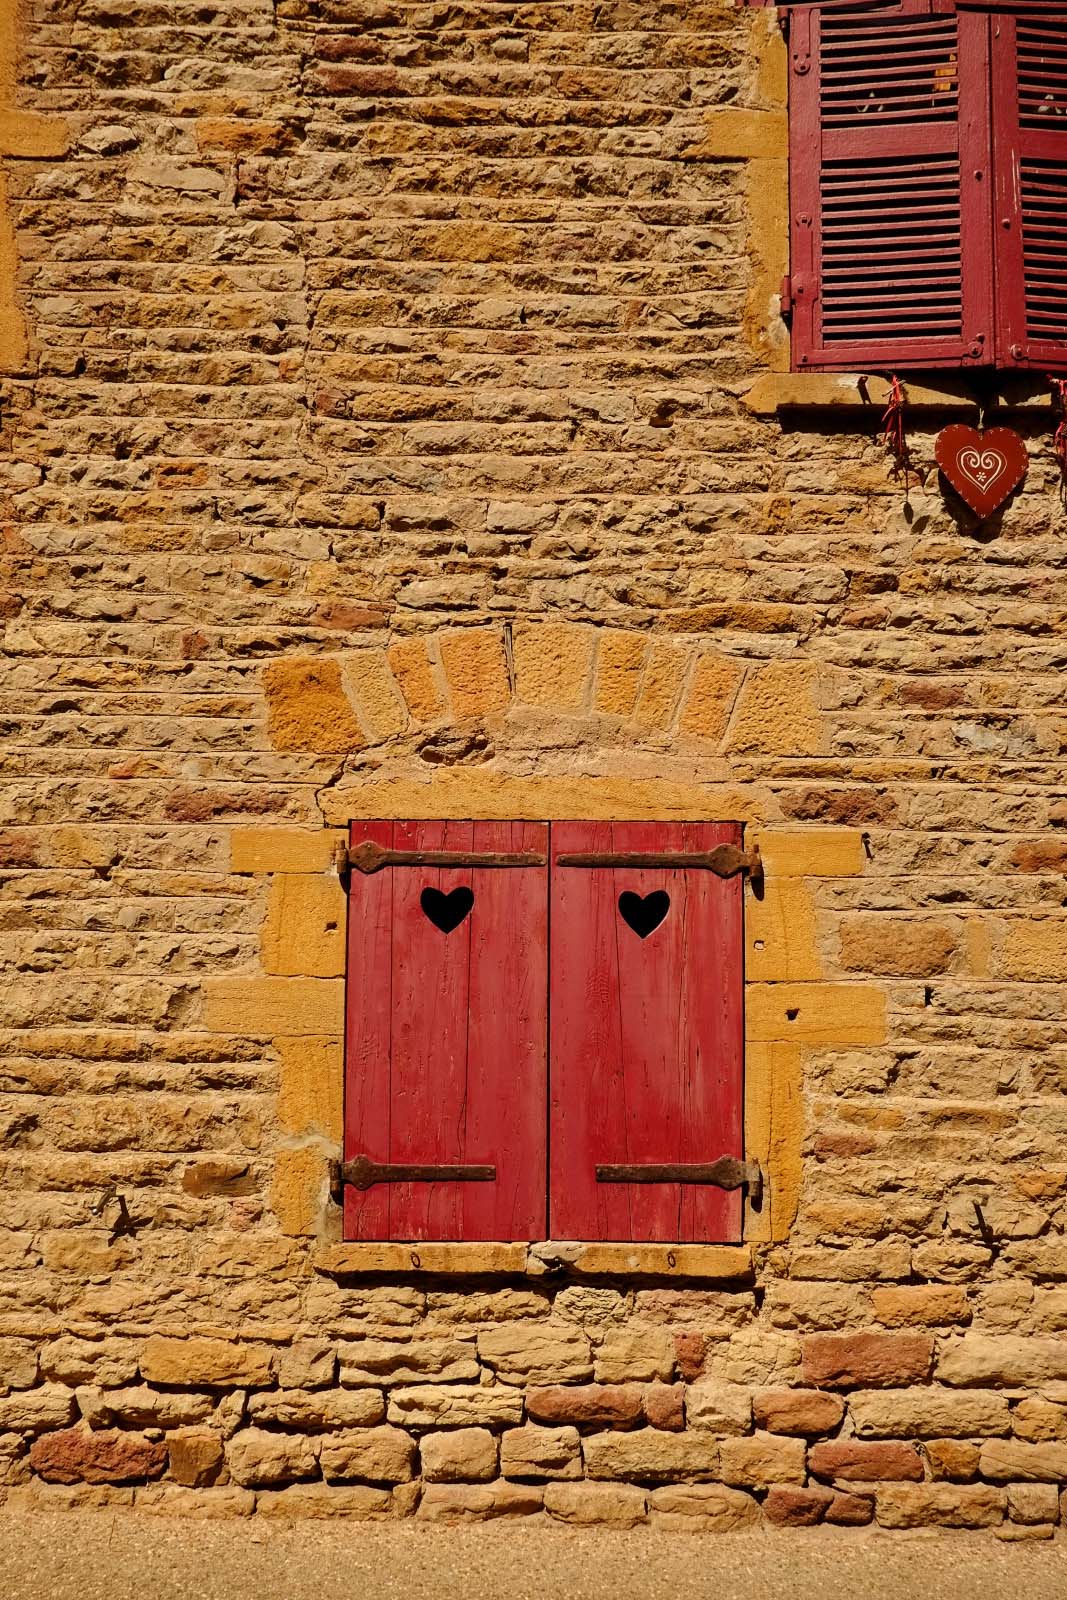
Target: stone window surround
{"type": "Point", "coordinates": [788, 1009]}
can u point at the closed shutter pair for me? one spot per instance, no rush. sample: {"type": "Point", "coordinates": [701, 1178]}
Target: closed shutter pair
{"type": "Point", "coordinates": [928, 185]}
{"type": "Point", "coordinates": [536, 1021]}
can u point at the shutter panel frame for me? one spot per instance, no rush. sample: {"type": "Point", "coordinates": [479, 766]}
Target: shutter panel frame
{"type": "Point", "coordinates": [834, 149]}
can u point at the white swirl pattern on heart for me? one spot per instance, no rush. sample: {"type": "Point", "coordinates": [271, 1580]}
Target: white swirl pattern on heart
{"type": "Point", "coordinates": [982, 467]}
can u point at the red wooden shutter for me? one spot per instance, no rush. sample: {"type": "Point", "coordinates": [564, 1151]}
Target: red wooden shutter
{"type": "Point", "coordinates": [1030, 141]}
{"type": "Point", "coordinates": [890, 187]}
{"type": "Point", "coordinates": [646, 1035]}
{"type": "Point", "coordinates": [446, 1035]}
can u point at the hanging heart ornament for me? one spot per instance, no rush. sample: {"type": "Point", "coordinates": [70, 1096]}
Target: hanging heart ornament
{"type": "Point", "coordinates": [983, 468]}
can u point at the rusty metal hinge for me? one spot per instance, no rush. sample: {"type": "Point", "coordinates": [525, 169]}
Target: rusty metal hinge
{"type": "Point", "coordinates": [726, 861]}
{"type": "Point", "coordinates": [726, 1173]}
{"type": "Point", "coordinates": [371, 857]}
{"type": "Point", "coordinates": [363, 1173]}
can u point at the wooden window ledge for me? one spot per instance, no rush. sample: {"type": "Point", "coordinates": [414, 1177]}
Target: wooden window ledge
{"type": "Point", "coordinates": [834, 391]}
{"type": "Point", "coordinates": [720, 1262]}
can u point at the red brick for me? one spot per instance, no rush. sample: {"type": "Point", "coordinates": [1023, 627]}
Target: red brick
{"type": "Point", "coordinates": [665, 1406]}
{"type": "Point", "coordinates": [606, 1404]}
{"type": "Point", "coordinates": [874, 1360]}
{"type": "Point", "coordinates": [866, 1463]}
{"type": "Point", "coordinates": [787, 1507]}
{"type": "Point", "coordinates": [802, 1412]}
{"type": "Point", "coordinates": [72, 1456]}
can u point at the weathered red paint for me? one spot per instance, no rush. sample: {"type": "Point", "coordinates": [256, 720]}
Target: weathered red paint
{"type": "Point", "coordinates": [928, 185]}
{"type": "Point", "coordinates": [646, 1035]}
{"type": "Point", "coordinates": [446, 1036]}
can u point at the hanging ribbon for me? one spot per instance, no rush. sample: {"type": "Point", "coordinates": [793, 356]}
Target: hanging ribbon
{"type": "Point", "coordinates": [1059, 443]}
{"type": "Point", "coordinates": [894, 433]}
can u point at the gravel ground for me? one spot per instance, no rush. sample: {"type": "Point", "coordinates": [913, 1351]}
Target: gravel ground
{"type": "Point", "coordinates": [113, 1556]}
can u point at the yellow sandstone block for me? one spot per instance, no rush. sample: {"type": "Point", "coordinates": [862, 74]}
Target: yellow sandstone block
{"type": "Point", "coordinates": [283, 849]}
{"type": "Point", "coordinates": [734, 133]}
{"type": "Point", "coordinates": [376, 693]}
{"type": "Point", "coordinates": [620, 658]}
{"type": "Point", "coordinates": [1035, 949]}
{"type": "Point", "coordinates": [476, 671]}
{"type": "Point", "coordinates": [340, 1259]}
{"type": "Point", "coordinates": [304, 931]}
{"type": "Point", "coordinates": [777, 713]}
{"type": "Point", "coordinates": [780, 933]}
{"type": "Point", "coordinates": [812, 853]}
{"type": "Point", "coordinates": [300, 1190]}
{"type": "Point", "coordinates": [774, 1133]}
{"type": "Point", "coordinates": [311, 1094]}
{"type": "Point", "coordinates": [553, 663]}
{"type": "Point", "coordinates": [815, 1013]}
{"type": "Point", "coordinates": [265, 1007]}
{"type": "Point", "coordinates": [661, 687]}
{"type": "Point", "coordinates": [307, 708]}
{"type": "Point", "coordinates": [716, 680]}
{"type": "Point", "coordinates": [413, 670]}
{"type": "Point", "coordinates": [721, 1261]}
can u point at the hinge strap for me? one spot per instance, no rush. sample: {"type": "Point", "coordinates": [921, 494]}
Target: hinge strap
{"type": "Point", "coordinates": [371, 857]}
{"type": "Point", "coordinates": [726, 861]}
{"type": "Point", "coordinates": [363, 1173]}
{"type": "Point", "coordinates": [725, 1173]}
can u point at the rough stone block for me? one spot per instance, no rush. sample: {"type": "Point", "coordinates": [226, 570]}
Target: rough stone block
{"type": "Point", "coordinates": [553, 662]}
{"type": "Point", "coordinates": [211, 1363]}
{"type": "Point", "coordinates": [1033, 1502]}
{"type": "Point", "coordinates": [455, 1406]}
{"type": "Point", "coordinates": [661, 685]}
{"type": "Point", "coordinates": [18, 1364]}
{"type": "Point", "coordinates": [856, 1461]}
{"type": "Point", "coordinates": [850, 1510]}
{"type": "Point", "coordinates": [1038, 1421]}
{"type": "Point", "coordinates": [196, 1455]}
{"type": "Point", "coordinates": [304, 931]}
{"type": "Point", "coordinates": [762, 1460]}
{"type": "Point", "coordinates": [928, 1413]}
{"type": "Point", "coordinates": [34, 1410]}
{"type": "Point", "coordinates": [901, 947]}
{"type": "Point", "coordinates": [951, 1459]}
{"type": "Point", "coordinates": [375, 1455]}
{"type": "Point", "coordinates": [1005, 1459]}
{"type": "Point", "coordinates": [651, 1455]}
{"type": "Point", "coordinates": [257, 1458]}
{"type": "Point", "coordinates": [317, 1409]}
{"type": "Point", "coordinates": [307, 708]}
{"type": "Point", "coordinates": [462, 1455]}
{"type": "Point", "coordinates": [982, 1359]}
{"type": "Point", "coordinates": [620, 661]}
{"type": "Point", "coordinates": [414, 672]}
{"type": "Point", "coordinates": [540, 1353]}
{"type": "Point", "coordinates": [778, 712]}
{"type": "Point", "coordinates": [712, 692]}
{"type": "Point", "coordinates": [307, 1364]}
{"type": "Point", "coordinates": [142, 1407]}
{"type": "Point", "coordinates": [596, 1405]}
{"type": "Point", "coordinates": [321, 1501]}
{"type": "Point", "coordinates": [74, 1456]}
{"type": "Point", "coordinates": [383, 1361]}
{"type": "Point", "coordinates": [108, 1363]}
{"type": "Point", "coordinates": [476, 671]}
{"type": "Point", "coordinates": [587, 1505]}
{"type": "Point", "coordinates": [635, 1353]}
{"type": "Point", "coordinates": [718, 1406]}
{"type": "Point", "coordinates": [535, 1452]}
{"type": "Point", "coordinates": [442, 1502]}
{"type": "Point", "coordinates": [376, 694]}
{"type": "Point", "coordinates": [664, 1406]}
{"type": "Point", "coordinates": [925, 1305]}
{"type": "Point", "coordinates": [939, 1505]}
{"type": "Point", "coordinates": [848, 1360]}
{"type": "Point", "coordinates": [702, 1508]}
{"type": "Point", "coordinates": [805, 1413]}
{"type": "Point", "coordinates": [786, 1507]}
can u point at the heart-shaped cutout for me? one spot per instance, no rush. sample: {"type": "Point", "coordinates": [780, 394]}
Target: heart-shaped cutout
{"type": "Point", "coordinates": [447, 911]}
{"type": "Point", "coordinates": [983, 468]}
{"type": "Point", "coordinates": [644, 913]}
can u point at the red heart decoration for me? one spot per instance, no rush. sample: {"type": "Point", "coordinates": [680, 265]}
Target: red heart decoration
{"type": "Point", "coordinates": [983, 468]}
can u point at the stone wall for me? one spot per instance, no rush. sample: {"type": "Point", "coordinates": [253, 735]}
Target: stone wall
{"type": "Point", "coordinates": [391, 426]}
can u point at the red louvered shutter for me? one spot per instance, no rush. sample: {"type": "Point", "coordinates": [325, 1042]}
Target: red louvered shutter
{"type": "Point", "coordinates": [1029, 55]}
{"type": "Point", "coordinates": [890, 187]}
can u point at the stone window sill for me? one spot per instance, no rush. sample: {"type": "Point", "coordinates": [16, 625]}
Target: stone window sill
{"type": "Point", "coordinates": [857, 391]}
{"type": "Point", "coordinates": [721, 1262]}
